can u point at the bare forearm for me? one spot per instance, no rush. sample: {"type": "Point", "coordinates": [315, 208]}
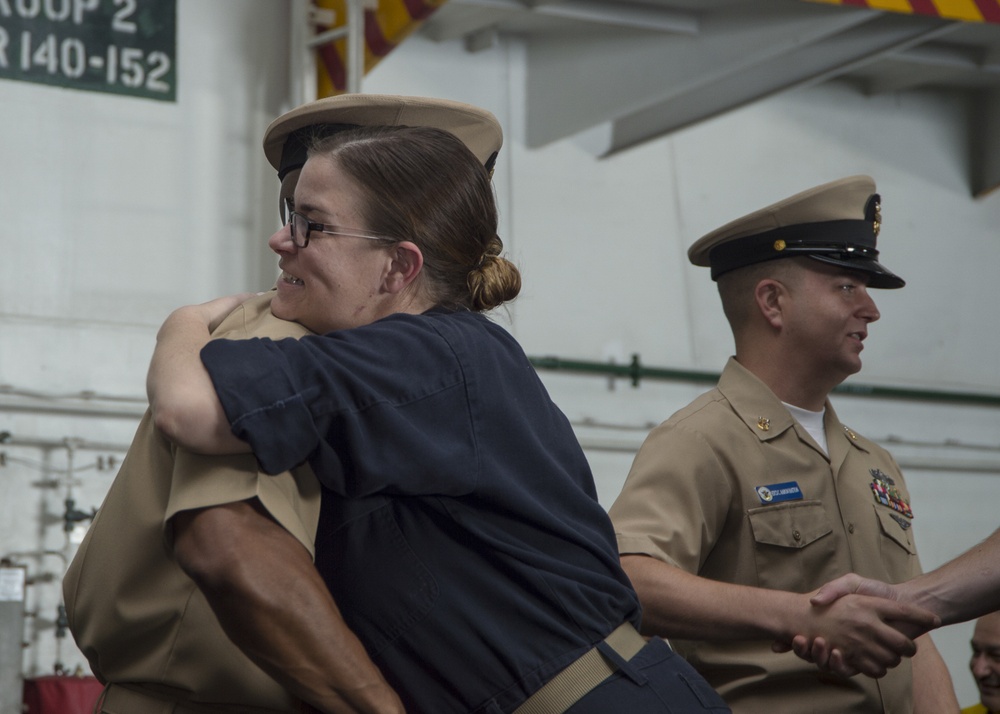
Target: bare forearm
{"type": "Point", "coordinates": [962, 589]}
{"type": "Point", "coordinates": [272, 603]}
{"type": "Point", "coordinates": [678, 604]}
{"type": "Point", "coordinates": [181, 394]}
{"type": "Point", "coordinates": [304, 644]}
{"type": "Point", "coordinates": [933, 690]}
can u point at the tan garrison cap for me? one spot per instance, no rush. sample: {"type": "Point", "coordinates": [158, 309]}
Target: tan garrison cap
{"type": "Point", "coordinates": [283, 141]}
{"type": "Point", "coordinates": [836, 223]}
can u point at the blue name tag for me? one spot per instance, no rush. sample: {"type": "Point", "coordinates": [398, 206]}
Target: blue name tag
{"type": "Point", "coordinates": [778, 492]}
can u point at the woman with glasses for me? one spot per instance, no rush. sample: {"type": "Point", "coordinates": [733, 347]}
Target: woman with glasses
{"type": "Point", "coordinates": [460, 532]}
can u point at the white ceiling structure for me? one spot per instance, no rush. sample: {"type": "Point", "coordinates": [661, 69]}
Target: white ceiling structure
{"type": "Point", "coordinates": [615, 73]}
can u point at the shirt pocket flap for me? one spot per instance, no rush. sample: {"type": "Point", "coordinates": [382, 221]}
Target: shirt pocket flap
{"type": "Point", "coordinates": [896, 527]}
{"type": "Point", "coordinates": [789, 525]}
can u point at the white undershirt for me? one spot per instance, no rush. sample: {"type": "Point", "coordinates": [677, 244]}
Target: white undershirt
{"type": "Point", "coordinates": [812, 422]}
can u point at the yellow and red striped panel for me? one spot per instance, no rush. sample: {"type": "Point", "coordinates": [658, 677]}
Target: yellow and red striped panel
{"type": "Point", "coordinates": [965, 10]}
{"type": "Point", "coordinates": [385, 28]}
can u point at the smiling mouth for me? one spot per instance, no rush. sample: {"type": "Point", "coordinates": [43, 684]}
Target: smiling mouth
{"type": "Point", "coordinates": [291, 279]}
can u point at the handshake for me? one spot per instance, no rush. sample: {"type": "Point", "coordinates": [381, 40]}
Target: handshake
{"type": "Point", "coordinates": [874, 624]}
{"type": "Point", "coordinates": [860, 626]}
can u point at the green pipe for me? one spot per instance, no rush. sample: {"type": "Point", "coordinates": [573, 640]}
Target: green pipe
{"type": "Point", "coordinates": [636, 372]}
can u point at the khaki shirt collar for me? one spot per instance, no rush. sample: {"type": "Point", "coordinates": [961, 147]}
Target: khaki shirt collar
{"type": "Point", "coordinates": [765, 415]}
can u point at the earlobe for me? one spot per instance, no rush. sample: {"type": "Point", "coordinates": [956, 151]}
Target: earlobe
{"type": "Point", "coordinates": [406, 263]}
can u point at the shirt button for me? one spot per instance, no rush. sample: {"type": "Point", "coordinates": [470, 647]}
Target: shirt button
{"type": "Point", "coordinates": [850, 528]}
{"type": "Point", "coordinates": [796, 535]}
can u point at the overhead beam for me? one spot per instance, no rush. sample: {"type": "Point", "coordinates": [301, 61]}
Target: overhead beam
{"type": "Point", "coordinates": [620, 14]}
{"type": "Point", "coordinates": [574, 83]}
{"type": "Point", "coordinates": [800, 66]}
{"type": "Point", "coordinates": [991, 60]}
{"type": "Point", "coordinates": [900, 77]}
{"type": "Point", "coordinates": [463, 18]}
{"type": "Point", "coordinates": [940, 54]}
{"type": "Point", "coordinates": [984, 144]}
{"type": "Point", "coordinates": [938, 63]}
{"type": "Point", "coordinates": [481, 40]}
{"type": "Point", "coordinates": [458, 21]}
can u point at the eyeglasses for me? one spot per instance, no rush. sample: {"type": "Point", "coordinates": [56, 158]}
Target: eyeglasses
{"type": "Point", "coordinates": [302, 227]}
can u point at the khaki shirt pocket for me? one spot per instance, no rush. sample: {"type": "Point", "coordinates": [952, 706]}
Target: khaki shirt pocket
{"type": "Point", "coordinates": [896, 544]}
{"type": "Point", "coordinates": [793, 547]}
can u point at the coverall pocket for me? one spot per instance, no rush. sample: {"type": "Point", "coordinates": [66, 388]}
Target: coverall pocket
{"type": "Point", "coordinates": [380, 583]}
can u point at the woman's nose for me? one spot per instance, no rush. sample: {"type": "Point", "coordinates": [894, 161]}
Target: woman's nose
{"type": "Point", "coordinates": [281, 241]}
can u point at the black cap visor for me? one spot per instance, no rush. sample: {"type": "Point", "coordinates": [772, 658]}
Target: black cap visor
{"type": "Point", "coordinates": [878, 275]}
{"type": "Point", "coordinates": [846, 243]}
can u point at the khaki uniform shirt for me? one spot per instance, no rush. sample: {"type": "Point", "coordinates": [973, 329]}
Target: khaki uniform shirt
{"type": "Point", "coordinates": [694, 500]}
{"type": "Point", "coordinates": [137, 617]}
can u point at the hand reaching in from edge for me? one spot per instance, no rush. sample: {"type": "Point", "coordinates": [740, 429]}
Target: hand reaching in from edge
{"type": "Point", "coordinates": [858, 625]}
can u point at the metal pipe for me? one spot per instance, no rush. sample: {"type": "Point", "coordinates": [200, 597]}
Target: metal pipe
{"type": "Point", "coordinates": [8, 439]}
{"type": "Point", "coordinates": [355, 45]}
{"type": "Point", "coordinates": [354, 31]}
{"type": "Point", "coordinates": [636, 372]}
{"type": "Point", "coordinates": [301, 65]}
{"type": "Point", "coordinates": [81, 409]}
{"type": "Point", "coordinates": [906, 462]}
{"type": "Point", "coordinates": [329, 36]}
{"type": "Point", "coordinates": [88, 403]}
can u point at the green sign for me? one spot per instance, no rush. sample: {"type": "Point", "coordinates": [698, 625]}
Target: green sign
{"type": "Point", "coordinates": [118, 46]}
